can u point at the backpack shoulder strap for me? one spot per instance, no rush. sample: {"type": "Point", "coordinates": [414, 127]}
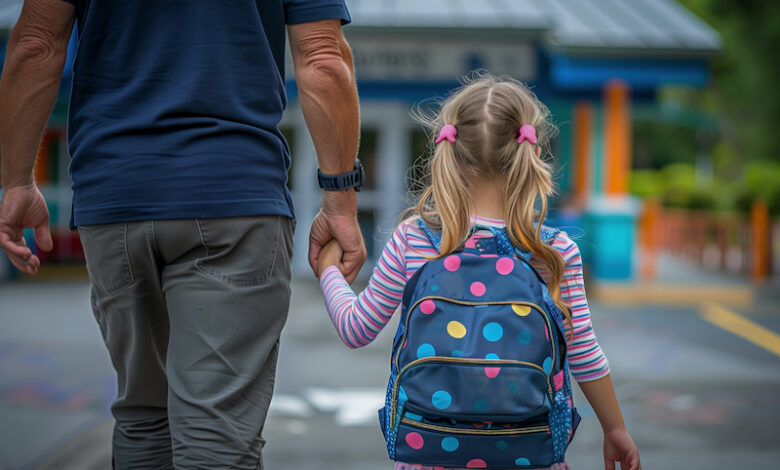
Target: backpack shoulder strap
{"type": "Point", "coordinates": [548, 234]}
{"type": "Point", "coordinates": [434, 237]}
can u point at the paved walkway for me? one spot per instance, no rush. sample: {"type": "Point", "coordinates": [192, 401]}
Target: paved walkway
{"type": "Point", "coordinates": [695, 396]}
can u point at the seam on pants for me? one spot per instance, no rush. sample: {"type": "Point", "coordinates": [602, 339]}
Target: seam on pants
{"type": "Point", "coordinates": [152, 233]}
{"type": "Point", "coordinates": [202, 240]}
{"type": "Point", "coordinates": [270, 271]}
{"type": "Point", "coordinates": [127, 254]}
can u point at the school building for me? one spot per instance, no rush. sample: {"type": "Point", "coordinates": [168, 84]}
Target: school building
{"type": "Point", "coordinates": [593, 62]}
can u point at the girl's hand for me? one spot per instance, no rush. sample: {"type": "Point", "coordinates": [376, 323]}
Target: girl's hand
{"type": "Point", "coordinates": [619, 447]}
{"type": "Point", "coordinates": [330, 255]}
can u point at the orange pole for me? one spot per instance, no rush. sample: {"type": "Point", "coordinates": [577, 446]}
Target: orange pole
{"type": "Point", "coordinates": [617, 136]}
{"type": "Point", "coordinates": [648, 229]}
{"type": "Point", "coordinates": [42, 169]}
{"type": "Point", "coordinates": [583, 145]}
{"type": "Point", "coordinates": [759, 222]}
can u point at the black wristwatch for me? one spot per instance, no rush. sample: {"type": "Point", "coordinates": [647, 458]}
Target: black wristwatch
{"type": "Point", "coordinates": [349, 180]}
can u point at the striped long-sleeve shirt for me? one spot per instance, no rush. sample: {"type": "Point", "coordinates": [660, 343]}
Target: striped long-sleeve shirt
{"type": "Point", "coordinates": [359, 318]}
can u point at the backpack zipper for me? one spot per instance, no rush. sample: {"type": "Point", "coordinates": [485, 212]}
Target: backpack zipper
{"type": "Point", "coordinates": [461, 360]}
{"type": "Point", "coordinates": [495, 432]}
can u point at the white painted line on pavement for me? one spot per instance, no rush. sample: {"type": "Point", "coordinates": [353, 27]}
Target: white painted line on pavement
{"type": "Point", "coordinates": [353, 407]}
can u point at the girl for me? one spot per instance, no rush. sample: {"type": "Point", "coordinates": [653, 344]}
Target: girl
{"type": "Point", "coordinates": [485, 169]}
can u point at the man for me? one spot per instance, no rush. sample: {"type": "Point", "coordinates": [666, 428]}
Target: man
{"type": "Point", "coordinates": [179, 180]}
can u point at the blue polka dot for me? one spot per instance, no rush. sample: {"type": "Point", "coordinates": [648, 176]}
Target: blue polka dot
{"type": "Point", "coordinates": [522, 461]}
{"type": "Point", "coordinates": [502, 445]}
{"type": "Point", "coordinates": [435, 288]}
{"type": "Point", "coordinates": [493, 331]}
{"type": "Point", "coordinates": [450, 444]}
{"type": "Point", "coordinates": [413, 416]}
{"type": "Point", "coordinates": [481, 405]}
{"type": "Point", "coordinates": [514, 388]}
{"type": "Point", "coordinates": [457, 353]}
{"type": "Point", "coordinates": [524, 337]}
{"type": "Point", "coordinates": [492, 356]}
{"type": "Point", "coordinates": [547, 365]}
{"type": "Point", "coordinates": [425, 350]}
{"type": "Point", "coordinates": [441, 400]}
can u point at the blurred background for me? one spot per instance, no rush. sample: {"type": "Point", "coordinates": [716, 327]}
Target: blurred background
{"type": "Point", "coordinates": [668, 169]}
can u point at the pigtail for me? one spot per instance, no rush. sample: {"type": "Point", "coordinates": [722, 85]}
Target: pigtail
{"type": "Point", "coordinates": [448, 195]}
{"type": "Point", "coordinates": [530, 178]}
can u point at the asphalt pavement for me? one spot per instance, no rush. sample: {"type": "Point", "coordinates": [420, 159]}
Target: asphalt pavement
{"type": "Point", "coordinates": [694, 394]}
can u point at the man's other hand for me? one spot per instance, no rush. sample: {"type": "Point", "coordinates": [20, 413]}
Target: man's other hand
{"type": "Point", "coordinates": [24, 207]}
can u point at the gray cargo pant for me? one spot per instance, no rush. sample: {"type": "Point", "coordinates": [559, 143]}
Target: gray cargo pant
{"type": "Point", "coordinates": [191, 312]}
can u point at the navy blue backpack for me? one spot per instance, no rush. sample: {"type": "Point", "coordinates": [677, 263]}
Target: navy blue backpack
{"type": "Point", "coordinates": [478, 373]}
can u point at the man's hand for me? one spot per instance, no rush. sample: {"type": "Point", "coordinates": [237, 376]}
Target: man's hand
{"type": "Point", "coordinates": [24, 207]}
{"type": "Point", "coordinates": [338, 220]}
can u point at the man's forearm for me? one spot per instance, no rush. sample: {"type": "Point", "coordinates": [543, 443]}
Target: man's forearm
{"type": "Point", "coordinates": [28, 89]}
{"type": "Point", "coordinates": [328, 96]}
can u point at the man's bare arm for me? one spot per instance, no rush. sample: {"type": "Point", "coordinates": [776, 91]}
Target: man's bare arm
{"type": "Point", "coordinates": [328, 95]}
{"type": "Point", "coordinates": [29, 84]}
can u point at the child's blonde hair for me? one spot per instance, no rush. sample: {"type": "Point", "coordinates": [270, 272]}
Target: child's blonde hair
{"type": "Point", "coordinates": [488, 112]}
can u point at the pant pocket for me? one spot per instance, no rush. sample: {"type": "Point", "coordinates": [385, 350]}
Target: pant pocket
{"type": "Point", "coordinates": [108, 263]}
{"type": "Point", "coordinates": [240, 251]}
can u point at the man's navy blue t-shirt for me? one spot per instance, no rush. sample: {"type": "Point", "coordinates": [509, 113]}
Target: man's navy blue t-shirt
{"type": "Point", "coordinates": [175, 107]}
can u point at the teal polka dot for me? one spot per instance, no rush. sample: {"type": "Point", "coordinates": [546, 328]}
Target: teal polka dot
{"type": "Point", "coordinates": [547, 365]}
{"type": "Point", "coordinates": [441, 400]}
{"type": "Point", "coordinates": [450, 444]}
{"type": "Point", "coordinates": [514, 388]}
{"type": "Point", "coordinates": [402, 394]}
{"type": "Point", "coordinates": [522, 461]}
{"type": "Point", "coordinates": [413, 416]}
{"type": "Point", "coordinates": [502, 445]}
{"type": "Point", "coordinates": [457, 353]}
{"type": "Point", "coordinates": [425, 350]}
{"type": "Point", "coordinates": [493, 331]}
{"type": "Point", "coordinates": [492, 356]}
{"type": "Point", "coordinates": [524, 337]}
{"type": "Point", "coordinates": [481, 405]}
{"type": "Point", "coordinates": [435, 288]}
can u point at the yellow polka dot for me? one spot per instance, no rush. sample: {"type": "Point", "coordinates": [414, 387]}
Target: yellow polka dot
{"type": "Point", "coordinates": [521, 310]}
{"type": "Point", "coordinates": [456, 329]}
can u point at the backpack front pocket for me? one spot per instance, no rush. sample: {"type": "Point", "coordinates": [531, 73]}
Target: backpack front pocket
{"type": "Point", "coordinates": [474, 389]}
{"type": "Point", "coordinates": [477, 445]}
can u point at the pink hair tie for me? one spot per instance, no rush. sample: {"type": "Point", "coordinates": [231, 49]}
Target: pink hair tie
{"type": "Point", "coordinates": [527, 132]}
{"type": "Point", "coordinates": [447, 132]}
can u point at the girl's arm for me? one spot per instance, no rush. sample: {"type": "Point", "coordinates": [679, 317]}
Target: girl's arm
{"type": "Point", "coordinates": [359, 318]}
{"type": "Point", "coordinates": [589, 366]}
{"type": "Point", "coordinates": [618, 445]}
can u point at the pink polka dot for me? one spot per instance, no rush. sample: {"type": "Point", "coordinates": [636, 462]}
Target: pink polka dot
{"type": "Point", "coordinates": [478, 425]}
{"type": "Point", "coordinates": [415, 440]}
{"type": "Point", "coordinates": [505, 266]}
{"type": "Point", "coordinates": [558, 380]}
{"type": "Point", "coordinates": [452, 263]}
{"type": "Point", "coordinates": [476, 463]}
{"type": "Point", "coordinates": [427, 306]}
{"type": "Point", "coordinates": [492, 372]}
{"type": "Point", "coordinates": [477, 288]}
{"type": "Point", "coordinates": [546, 333]}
